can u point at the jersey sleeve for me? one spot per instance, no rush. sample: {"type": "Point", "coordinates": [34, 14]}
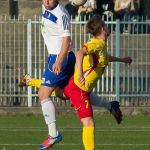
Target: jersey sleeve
{"type": "Point", "coordinates": [64, 26]}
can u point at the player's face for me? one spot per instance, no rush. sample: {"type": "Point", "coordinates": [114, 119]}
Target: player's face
{"type": "Point", "coordinates": [49, 4]}
{"type": "Point", "coordinates": [106, 31]}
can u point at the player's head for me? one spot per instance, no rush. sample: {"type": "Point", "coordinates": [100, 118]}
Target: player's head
{"type": "Point", "coordinates": [49, 4]}
{"type": "Point", "coordinates": [97, 26]}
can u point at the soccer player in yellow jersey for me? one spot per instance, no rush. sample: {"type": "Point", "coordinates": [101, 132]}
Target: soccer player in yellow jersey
{"type": "Point", "coordinates": [91, 61]}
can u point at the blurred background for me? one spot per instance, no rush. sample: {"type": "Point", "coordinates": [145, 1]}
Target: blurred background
{"type": "Point", "coordinates": [22, 51]}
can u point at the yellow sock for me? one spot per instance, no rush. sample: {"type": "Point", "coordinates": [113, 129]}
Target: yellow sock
{"type": "Point", "coordinates": [37, 83]}
{"type": "Point", "coordinates": [34, 82]}
{"type": "Point", "coordinates": [88, 138]}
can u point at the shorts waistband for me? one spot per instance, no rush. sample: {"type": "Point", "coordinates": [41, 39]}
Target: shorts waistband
{"type": "Point", "coordinates": [58, 54]}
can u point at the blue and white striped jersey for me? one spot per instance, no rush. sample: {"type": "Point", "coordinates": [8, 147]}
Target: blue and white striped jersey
{"type": "Point", "coordinates": [55, 25]}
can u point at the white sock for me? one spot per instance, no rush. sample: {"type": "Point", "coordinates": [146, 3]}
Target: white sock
{"type": "Point", "coordinates": [52, 129]}
{"type": "Point", "coordinates": [99, 101]}
{"type": "Point", "coordinates": [48, 109]}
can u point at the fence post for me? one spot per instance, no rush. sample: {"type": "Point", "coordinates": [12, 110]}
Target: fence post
{"type": "Point", "coordinates": [117, 55]}
{"type": "Point", "coordinates": [29, 59]}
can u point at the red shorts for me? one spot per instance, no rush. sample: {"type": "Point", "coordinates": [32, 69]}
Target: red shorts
{"type": "Point", "coordinates": [79, 99]}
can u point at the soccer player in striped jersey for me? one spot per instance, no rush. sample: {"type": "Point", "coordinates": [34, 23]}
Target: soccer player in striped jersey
{"type": "Point", "coordinates": [55, 28]}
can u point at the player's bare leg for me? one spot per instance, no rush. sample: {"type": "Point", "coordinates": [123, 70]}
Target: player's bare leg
{"type": "Point", "coordinates": [96, 100]}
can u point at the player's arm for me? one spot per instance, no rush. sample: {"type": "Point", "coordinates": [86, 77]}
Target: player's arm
{"type": "Point", "coordinates": [63, 53]}
{"type": "Point", "coordinates": [79, 61]}
{"type": "Point", "coordinates": [64, 31]}
{"type": "Point", "coordinates": [126, 60]}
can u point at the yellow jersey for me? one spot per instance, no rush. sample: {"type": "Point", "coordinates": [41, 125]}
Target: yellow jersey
{"type": "Point", "coordinates": [94, 63]}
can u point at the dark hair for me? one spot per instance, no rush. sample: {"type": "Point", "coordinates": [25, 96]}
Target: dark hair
{"type": "Point", "coordinates": [95, 25]}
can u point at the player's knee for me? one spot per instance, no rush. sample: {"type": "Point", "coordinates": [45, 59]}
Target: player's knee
{"type": "Point", "coordinates": [87, 121]}
{"type": "Point", "coordinates": [42, 95]}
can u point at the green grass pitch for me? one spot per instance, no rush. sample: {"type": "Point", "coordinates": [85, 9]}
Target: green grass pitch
{"type": "Point", "coordinates": [26, 132]}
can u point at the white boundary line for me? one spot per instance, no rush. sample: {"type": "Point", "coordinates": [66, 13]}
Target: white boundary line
{"type": "Point", "coordinates": [75, 144]}
{"type": "Point", "coordinates": [77, 127]}
{"type": "Point", "coordinates": [15, 130]}
{"type": "Point", "coordinates": [75, 130]}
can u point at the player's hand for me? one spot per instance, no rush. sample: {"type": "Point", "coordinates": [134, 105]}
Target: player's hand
{"type": "Point", "coordinates": [56, 68]}
{"type": "Point", "coordinates": [127, 60]}
{"type": "Point", "coordinates": [81, 79]}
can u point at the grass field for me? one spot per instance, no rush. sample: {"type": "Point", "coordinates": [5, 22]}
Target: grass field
{"type": "Point", "coordinates": [26, 132]}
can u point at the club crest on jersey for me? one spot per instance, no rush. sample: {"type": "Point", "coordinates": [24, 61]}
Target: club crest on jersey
{"type": "Point", "coordinates": [97, 46]}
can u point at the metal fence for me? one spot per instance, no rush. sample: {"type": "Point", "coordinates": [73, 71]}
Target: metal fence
{"type": "Point", "coordinates": [22, 51]}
